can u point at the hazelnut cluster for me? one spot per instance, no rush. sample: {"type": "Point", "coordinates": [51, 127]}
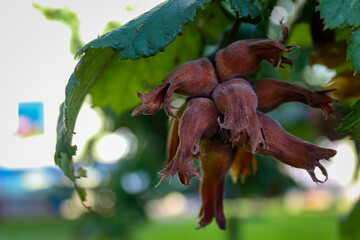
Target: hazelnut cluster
{"type": "Point", "coordinates": [223, 122]}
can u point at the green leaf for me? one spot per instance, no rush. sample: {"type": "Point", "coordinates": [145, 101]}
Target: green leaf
{"type": "Point", "coordinates": [340, 14]}
{"type": "Point", "coordinates": [151, 32]}
{"type": "Point", "coordinates": [64, 151]}
{"type": "Point", "coordinates": [85, 74]}
{"type": "Point", "coordinates": [353, 51]}
{"type": "Point", "coordinates": [351, 123]}
{"type": "Point", "coordinates": [117, 86]}
{"type": "Point", "coordinates": [81, 173]}
{"type": "Point", "coordinates": [82, 194]}
{"type": "Point", "coordinates": [246, 11]}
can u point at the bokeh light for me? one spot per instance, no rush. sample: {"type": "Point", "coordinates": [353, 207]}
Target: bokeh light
{"type": "Point", "coordinates": [72, 208]}
{"type": "Point", "coordinates": [278, 14]}
{"type": "Point", "coordinates": [36, 180]}
{"type": "Point", "coordinates": [94, 178]}
{"type": "Point", "coordinates": [171, 205]}
{"type": "Point", "coordinates": [135, 182]}
{"type": "Point", "coordinates": [105, 202]}
{"type": "Point", "coordinates": [111, 147]}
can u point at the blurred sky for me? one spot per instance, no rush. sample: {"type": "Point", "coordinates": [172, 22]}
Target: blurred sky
{"type": "Point", "coordinates": [35, 65]}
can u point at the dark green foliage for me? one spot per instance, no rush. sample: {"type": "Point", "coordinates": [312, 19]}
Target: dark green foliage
{"type": "Point", "coordinates": [340, 14]}
{"type": "Point", "coordinates": [354, 50]}
{"type": "Point", "coordinates": [349, 226]}
{"type": "Point", "coordinates": [151, 32]}
{"type": "Point", "coordinates": [246, 11]}
{"type": "Point", "coordinates": [351, 123]}
{"type": "Point", "coordinates": [121, 79]}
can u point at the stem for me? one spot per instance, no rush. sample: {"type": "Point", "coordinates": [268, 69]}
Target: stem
{"type": "Point", "coordinates": [233, 228]}
{"type": "Point", "coordinates": [357, 168]}
{"type": "Point", "coordinates": [233, 33]}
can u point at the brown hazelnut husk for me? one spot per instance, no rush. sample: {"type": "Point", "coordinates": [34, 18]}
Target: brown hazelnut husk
{"type": "Point", "coordinates": [237, 101]}
{"type": "Point", "coordinates": [272, 93]}
{"type": "Point", "coordinates": [243, 165]}
{"type": "Point", "coordinates": [215, 164]}
{"type": "Point", "coordinates": [242, 58]}
{"type": "Point", "coordinates": [199, 121]}
{"type": "Point", "coordinates": [173, 139]}
{"type": "Point", "coordinates": [217, 112]}
{"type": "Point", "coordinates": [291, 150]}
{"type": "Point", "coordinates": [192, 79]}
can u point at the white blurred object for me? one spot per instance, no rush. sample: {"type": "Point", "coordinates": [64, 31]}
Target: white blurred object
{"type": "Point", "coordinates": [88, 123]}
{"type": "Point", "coordinates": [72, 208]}
{"type": "Point", "coordinates": [278, 14]}
{"type": "Point", "coordinates": [111, 147]}
{"type": "Point", "coordinates": [114, 146]}
{"type": "Point", "coordinates": [36, 180]}
{"type": "Point", "coordinates": [318, 75]}
{"type": "Point", "coordinates": [288, 5]}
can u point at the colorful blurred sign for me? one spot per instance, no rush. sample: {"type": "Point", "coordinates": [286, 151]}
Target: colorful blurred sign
{"type": "Point", "coordinates": [31, 119]}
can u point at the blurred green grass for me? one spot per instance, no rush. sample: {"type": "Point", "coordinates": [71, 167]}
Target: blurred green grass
{"type": "Point", "coordinates": [54, 229]}
{"type": "Point", "coordinates": [295, 227]}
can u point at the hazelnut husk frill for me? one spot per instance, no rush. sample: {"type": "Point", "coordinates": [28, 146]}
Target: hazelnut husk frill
{"type": "Point", "coordinates": [192, 79]}
{"type": "Point", "coordinates": [238, 102]}
{"type": "Point", "coordinates": [223, 123]}
{"type": "Point", "coordinates": [191, 130]}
